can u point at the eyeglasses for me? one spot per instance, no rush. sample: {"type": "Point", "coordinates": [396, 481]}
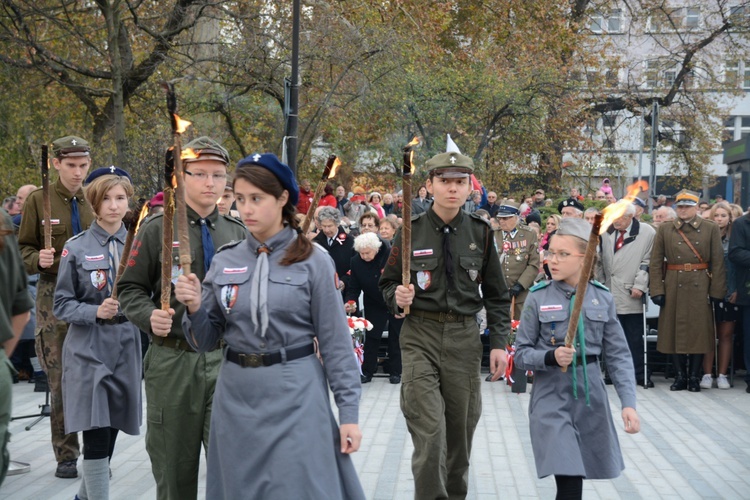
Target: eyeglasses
{"type": "Point", "coordinates": [560, 256]}
{"type": "Point", "coordinates": [201, 176]}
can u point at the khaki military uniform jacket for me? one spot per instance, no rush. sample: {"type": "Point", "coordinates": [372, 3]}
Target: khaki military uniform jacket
{"type": "Point", "coordinates": [475, 262]}
{"type": "Point", "coordinates": [686, 323]}
{"type": "Point", "coordinates": [31, 233]}
{"type": "Point", "coordinates": [140, 286]}
{"type": "Point", "coordinates": [519, 259]}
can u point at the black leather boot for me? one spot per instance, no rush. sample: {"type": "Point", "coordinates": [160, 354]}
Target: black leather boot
{"type": "Point", "coordinates": [696, 370]}
{"type": "Point", "coordinates": [680, 368]}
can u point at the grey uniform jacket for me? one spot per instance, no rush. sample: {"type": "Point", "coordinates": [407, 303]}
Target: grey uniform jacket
{"type": "Point", "coordinates": [101, 362]}
{"type": "Point", "coordinates": [282, 411]}
{"type": "Point", "coordinates": [568, 437]}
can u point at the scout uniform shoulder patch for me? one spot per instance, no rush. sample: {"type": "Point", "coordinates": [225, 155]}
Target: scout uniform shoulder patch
{"type": "Point", "coordinates": [540, 285]}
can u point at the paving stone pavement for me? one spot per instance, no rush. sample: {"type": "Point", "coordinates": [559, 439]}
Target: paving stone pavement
{"type": "Point", "coordinates": [691, 446]}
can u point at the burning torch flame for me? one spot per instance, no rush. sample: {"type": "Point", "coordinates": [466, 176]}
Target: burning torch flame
{"type": "Point", "coordinates": [141, 216]}
{"type": "Point", "coordinates": [616, 210]}
{"type": "Point", "coordinates": [408, 148]}
{"type": "Point", "coordinates": [188, 154]}
{"type": "Point", "coordinates": [334, 167]}
{"type": "Point", "coordinates": [182, 125]}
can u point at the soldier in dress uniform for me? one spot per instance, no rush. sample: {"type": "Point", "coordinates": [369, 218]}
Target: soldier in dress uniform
{"type": "Point", "coordinates": [693, 277]}
{"type": "Point", "coordinates": [70, 215]}
{"type": "Point", "coordinates": [572, 433]}
{"type": "Point", "coordinates": [102, 351]}
{"type": "Point", "coordinates": [519, 255]}
{"type": "Point", "coordinates": [452, 253]}
{"type": "Point", "coordinates": [179, 381]}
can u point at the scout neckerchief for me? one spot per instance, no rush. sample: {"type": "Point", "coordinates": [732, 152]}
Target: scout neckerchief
{"type": "Point", "coordinates": [259, 290]}
{"type": "Point", "coordinates": [114, 262]}
{"type": "Point", "coordinates": [582, 345]}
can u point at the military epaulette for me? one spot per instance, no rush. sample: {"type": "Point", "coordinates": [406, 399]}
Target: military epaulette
{"type": "Point", "coordinates": [151, 218]}
{"type": "Point", "coordinates": [417, 216]}
{"type": "Point", "coordinates": [229, 245]}
{"type": "Point", "coordinates": [598, 285]}
{"type": "Point", "coordinates": [234, 219]}
{"type": "Point", "coordinates": [540, 285]}
{"type": "Point", "coordinates": [524, 227]}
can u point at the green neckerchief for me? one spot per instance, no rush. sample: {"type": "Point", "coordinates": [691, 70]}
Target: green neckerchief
{"type": "Point", "coordinates": [582, 344]}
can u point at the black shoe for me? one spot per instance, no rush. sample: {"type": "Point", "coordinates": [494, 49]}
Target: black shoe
{"type": "Point", "coordinates": [694, 384]}
{"type": "Point", "coordinates": [649, 384]}
{"type": "Point", "coordinates": [40, 383]}
{"type": "Point", "coordinates": [365, 378]}
{"type": "Point", "coordinates": [607, 380]}
{"type": "Point", "coordinates": [680, 384]}
{"type": "Point", "coordinates": [67, 470]}
{"type": "Point", "coordinates": [489, 379]}
{"type": "Point", "coordinates": [395, 379]}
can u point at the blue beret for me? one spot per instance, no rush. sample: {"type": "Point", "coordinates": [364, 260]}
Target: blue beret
{"type": "Point", "coordinates": [112, 170]}
{"type": "Point", "coordinates": [269, 161]}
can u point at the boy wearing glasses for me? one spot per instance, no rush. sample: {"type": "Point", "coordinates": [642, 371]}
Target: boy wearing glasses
{"type": "Point", "coordinates": [572, 433]}
{"type": "Point", "coordinates": [452, 254]}
{"type": "Point", "coordinates": [179, 382]}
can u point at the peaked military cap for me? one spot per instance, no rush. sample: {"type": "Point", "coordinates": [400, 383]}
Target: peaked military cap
{"type": "Point", "coordinates": [687, 198]}
{"type": "Point", "coordinates": [508, 209]}
{"type": "Point", "coordinates": [205, 148]}
{"type": "Point", "coordinates": [639, 202]}
{"type": "Point", "coordinates": [70, 146]}
{"type": "Point", "coordinates": [450, 165]}
{"type": "Point", "coordinates": [570, 202]}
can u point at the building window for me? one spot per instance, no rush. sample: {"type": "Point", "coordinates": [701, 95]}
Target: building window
{"type": "Point", "coordinates": [609, 120]}
{"type": "Point", "coordinates": [692, 17]}
{"type": "Point", "coordinates": [614, 21]}
{"type": "Point", "coordinates": [731, 72]}
{"type": "Point", "coordinates": [745, 129]}
{"type": "Point", "coordinates": [746, 75]}
{"type": "Point", "coordinates": [610, 22]}
{"type": "Point", "coordinates": [611, 78]}
{"type": "Point", "coordinates": [729, 125]}
{"type": "Point", "coordinates": [669, 77]}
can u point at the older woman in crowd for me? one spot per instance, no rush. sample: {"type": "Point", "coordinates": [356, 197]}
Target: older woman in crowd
{"type": "Point", "coordinates": [388, 228]}
{"type": "Point", "coordinates": [366, 267]}
{"type": "Point", "coordinates": [336, 241]}
{"type": "Point", "coordinates": [388, 204]}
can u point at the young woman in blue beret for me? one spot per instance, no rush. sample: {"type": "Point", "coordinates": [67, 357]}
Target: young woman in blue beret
{"type": "Point", "coordinates": [273, 434]}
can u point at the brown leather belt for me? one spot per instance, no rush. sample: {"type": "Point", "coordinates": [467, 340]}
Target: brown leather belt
{"type": "Point", "coordinates": [268, 358]}
{"type": "Point", "coordinates": [440, 317]}
{"type": "Point", "coordinates": [179, 344]}
{"type": "Point", "coordinates": [687, 267]}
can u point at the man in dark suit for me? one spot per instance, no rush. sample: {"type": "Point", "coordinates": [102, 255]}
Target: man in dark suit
{"type": "Point", "coordinates": [339, 245]}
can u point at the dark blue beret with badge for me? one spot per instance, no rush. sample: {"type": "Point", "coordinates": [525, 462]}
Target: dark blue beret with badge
{"type": "Point", "coordinates": [270, 161]}
{"type": "Point", "coordinates": [570, 202]}
{"type": "Point", "coordinates": [112, 170]}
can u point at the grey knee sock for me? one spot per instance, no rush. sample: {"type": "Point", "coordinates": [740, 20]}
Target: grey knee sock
{"type": "Point", "coordinates": [96, 475]}
{"type": "Point", "coordinates": [82, 494]}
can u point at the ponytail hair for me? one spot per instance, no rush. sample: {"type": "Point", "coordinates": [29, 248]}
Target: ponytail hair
{"type": "Point", "coordinates": [301, 248]}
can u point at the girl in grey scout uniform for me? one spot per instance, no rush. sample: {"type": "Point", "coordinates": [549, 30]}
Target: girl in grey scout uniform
{"type": "Point", "coordinates": [273, 434]}
{"type": "Point", "coordinates": [572, 433]}
{"type": "Point", "coordinates": [101, 378]}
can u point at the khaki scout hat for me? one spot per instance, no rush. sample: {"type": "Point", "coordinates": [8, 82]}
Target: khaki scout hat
{"type": "Point", "coordinates": [205, 148]}
{"type": "Point", "coordinates": [687, 198]}
{"type": "Point", "coordinates": [450, 165]}
{"type": "Point", "coordinates": [573, 226]}
{"type": "Point", "coordinates": [70, 146]}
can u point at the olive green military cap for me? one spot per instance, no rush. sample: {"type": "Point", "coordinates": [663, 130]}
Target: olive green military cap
{"type": "Point", "coordinates": [204, 148]}
{"type": "Point", "coordinates": [70, 146]}
{"type": "Point", "coordinates": [450, 165]}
